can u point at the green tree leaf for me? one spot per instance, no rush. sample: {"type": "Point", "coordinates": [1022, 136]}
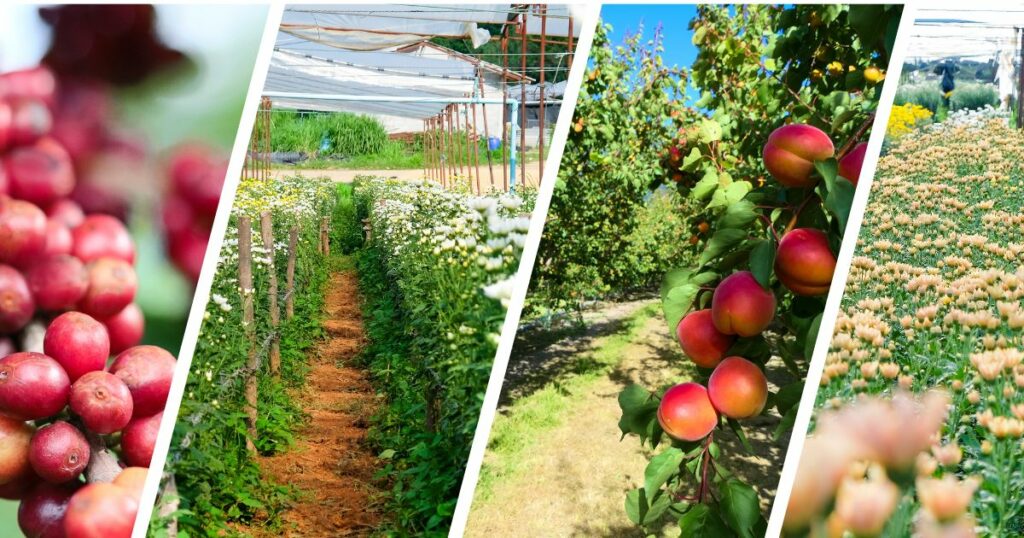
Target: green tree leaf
{"type": "Point", "coordinates": [639, 407]}
{"type": "Point", "coordinates": [738, 215]}
{"type": "Point", "coordinates": [740, 507]}
{"type": "Point", "coordinates": [839, 200]}
{"type": "Point", "coordinates": [762, 261]}
{"type": "Point", "coordinates": [702, 521]}
{"type": "Point", "coordinates": [644, 511]}
{"type": "Point", "coordinates": [661, 468]}
{"type": "Point", "coordinates": [720, 242]}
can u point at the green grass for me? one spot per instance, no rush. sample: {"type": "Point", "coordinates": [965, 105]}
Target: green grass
{"type": "Point", "coordinates": [529, 418]}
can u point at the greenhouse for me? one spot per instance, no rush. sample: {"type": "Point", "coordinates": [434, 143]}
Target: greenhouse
{"type": "Point", "coordinates": [483, 116]}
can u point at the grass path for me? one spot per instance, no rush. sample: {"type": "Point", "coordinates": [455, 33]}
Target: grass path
{"type": "Point", "coordinates": [555, 464]}
{"type": "Point", "coordinates": [332, 464]}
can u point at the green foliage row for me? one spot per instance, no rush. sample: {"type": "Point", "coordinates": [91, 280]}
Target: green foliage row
{"type": "Point", "coordinates": [605, 231]}
{"type": "Point", "coordinates": [349, 134]}
{"type": "Point", "coordinates": [967, 95]}
{"type": "Point", "coordinates": [218, 481]}
{"type": "Point", "coordinates": [347, 220]}
{"type": "Point", "coordinates": [434, 277]}
{"type": "Point", "coordinates": [363, 142]}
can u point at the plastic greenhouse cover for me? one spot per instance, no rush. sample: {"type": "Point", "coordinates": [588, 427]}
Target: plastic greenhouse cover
{"type": "Point", "coordinates": [375, 26]}
{"type": "Point", "coordinates": [303, 66]}
{"type": "Point", "coordinates": [974, 34]}
{"type": "Point", "coordinates": [351, 50]}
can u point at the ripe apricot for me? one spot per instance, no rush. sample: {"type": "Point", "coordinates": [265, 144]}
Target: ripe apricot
{"type": "Point", "coordinates": [790, 153]}
{"type": "Point", "coordinates": [805, 262]}
{"type": "Point", "coordinates": [686, 413]}
{"type": "Point", "coordinates": [852, 162]}
{"type": "Point", "coordinates": [700, 340]}
{"type": "Point", "coordinates": [737, 388]}
{"type": "Point", "coordinates": [741, 306]}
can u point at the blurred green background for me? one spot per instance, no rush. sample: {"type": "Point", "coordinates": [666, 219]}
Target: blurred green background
{"type": "Point", "coordinates": [203, 103]}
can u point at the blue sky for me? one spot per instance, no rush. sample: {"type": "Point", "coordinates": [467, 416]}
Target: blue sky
{"type": "Point", "coordinates": [674, 20]}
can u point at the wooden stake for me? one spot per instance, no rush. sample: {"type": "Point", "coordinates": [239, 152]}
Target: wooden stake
{"type": "Point", "coordinates": [325, 240]}
{"type": "Point", "coordinates": [248, 325]}
{"type": "Point", "coordinates": [267, 233]}
{"type": "Point", "coordinates": [289, 277]}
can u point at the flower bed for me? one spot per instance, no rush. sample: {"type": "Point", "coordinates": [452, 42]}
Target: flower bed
{"type": "Point", "coordinates": [437, 275]}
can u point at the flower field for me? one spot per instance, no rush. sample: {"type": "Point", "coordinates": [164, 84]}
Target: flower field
{"type": "Point", "coordinates": [215, 473]}
{"type": "Point", "coordinates": [933, 301]}
{"type": "Point", "coordinates": [436, 276]}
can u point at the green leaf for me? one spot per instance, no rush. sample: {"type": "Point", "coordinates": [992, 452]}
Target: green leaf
{"type": "Point", "coordinates": [661, 468]}
{"type": "Point", "coordinates": [736, 428]}
{"type": "Point", "coordinates": [639, 407]}
{"type": "Point", "coordinates": [677, 299]}
{"type": "Point", "coordinates": [691, 160]}
{"type": "Point", "coordinates": [707, 185]}
{"type": "Point", "coordinates": [730, 195]}
{"type": "Point", "coordinates": [702, 521]}
{"type": "Point", "coordinates": [762, 261]}
{"type": "Point", "coordinates": [740, 507]}
{"type": "Point", "coordinates": [786, 423]}
{"type": "Point", "coordinates": [839, 200]}
{"type": "Point", "coordinates": [720, 242]}
{"type": "Point", "coordinates": [387, 454]}
{"type": "Point", "coordinates": [788, 396]}
{"type": "Point", "coordinates": [738, 215]}
{"type": "Point", "coordinates": [710, 131]}
{"type": "Point", "coordinates": [828, 170]}
{"type": "Point", "coordinates": [642, 511]}
{"type": "Point", "coordinates": [812, 335]}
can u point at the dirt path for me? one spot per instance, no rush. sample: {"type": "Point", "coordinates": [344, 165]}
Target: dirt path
{"type": "Point", "coordinates": [574, 479]}
{"type": "Point", "coordinates": [332, 464]}
{"type": "Point", "coordinates": [348, 176]}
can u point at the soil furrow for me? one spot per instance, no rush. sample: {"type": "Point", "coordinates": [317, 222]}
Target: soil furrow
{"type": "Point", "coordinates": [332, 464]}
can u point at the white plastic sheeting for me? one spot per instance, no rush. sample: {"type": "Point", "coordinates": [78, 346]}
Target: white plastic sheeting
{"type": "Point", "coordinates": [981, 34]}
{"type": "Point", "coordinates": [970, 34]}
{"type": "Point", "coordinates": [377, 26]}
{"type": "Point", "coordinates": [379, 50]}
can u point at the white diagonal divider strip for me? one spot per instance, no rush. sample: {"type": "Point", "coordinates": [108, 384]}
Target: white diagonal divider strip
{"type": "Point", "coordinates": [202, 292]}
{"type": "Point", "coordinates": [515, 307]}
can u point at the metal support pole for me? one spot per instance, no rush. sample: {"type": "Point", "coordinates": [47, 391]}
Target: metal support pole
{"type": "Point", "coordinates": [522, 84]}
{"type": "Point", "coordinates": [504, 107]}
{"type": "Point", "coordinates": [487, 132]}
{"type": "Point", "coordinates": [455, 112]}
{"type": "Point", "coordinates": [452, 151]}
{"type": "Point", "coordinates": [476, 150]}
{"type": "Point", "coordinates": [570, 45]}
{"type": "Point", "coordinates": [540, 126]}
{"type": "Point", "coordinates": [512, 148]}
{"type": "Point", "coordinates": [428, 139]}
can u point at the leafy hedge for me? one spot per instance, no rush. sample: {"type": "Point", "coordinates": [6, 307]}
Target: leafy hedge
{"type": "Point", "coordinates": [215, 474]}
{"type": "Point", "coordinates": [435, 278]}
{"type": "Point", "coordinates": [605, 233]}
{"type": "Point", "coordinates": [966, 96]}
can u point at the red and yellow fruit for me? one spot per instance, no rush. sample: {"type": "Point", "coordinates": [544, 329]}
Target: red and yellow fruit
{"type": "Point", "coordinates": [852, 162]}
{"type": "Point", "coordinates": [738, 388]}
{"type": "Point", "coordinates": [741, 306]}
{"type": "Point", "coordinates": [701, 341]}
{"type": "Point", "coordinates": [101, 510]}
{"type": "Point", "coordinates": [686, 413]}
{"type": "Point", "coordinates": [791, 152]}
{"type": "Point", "coordinates": [804, 262]}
